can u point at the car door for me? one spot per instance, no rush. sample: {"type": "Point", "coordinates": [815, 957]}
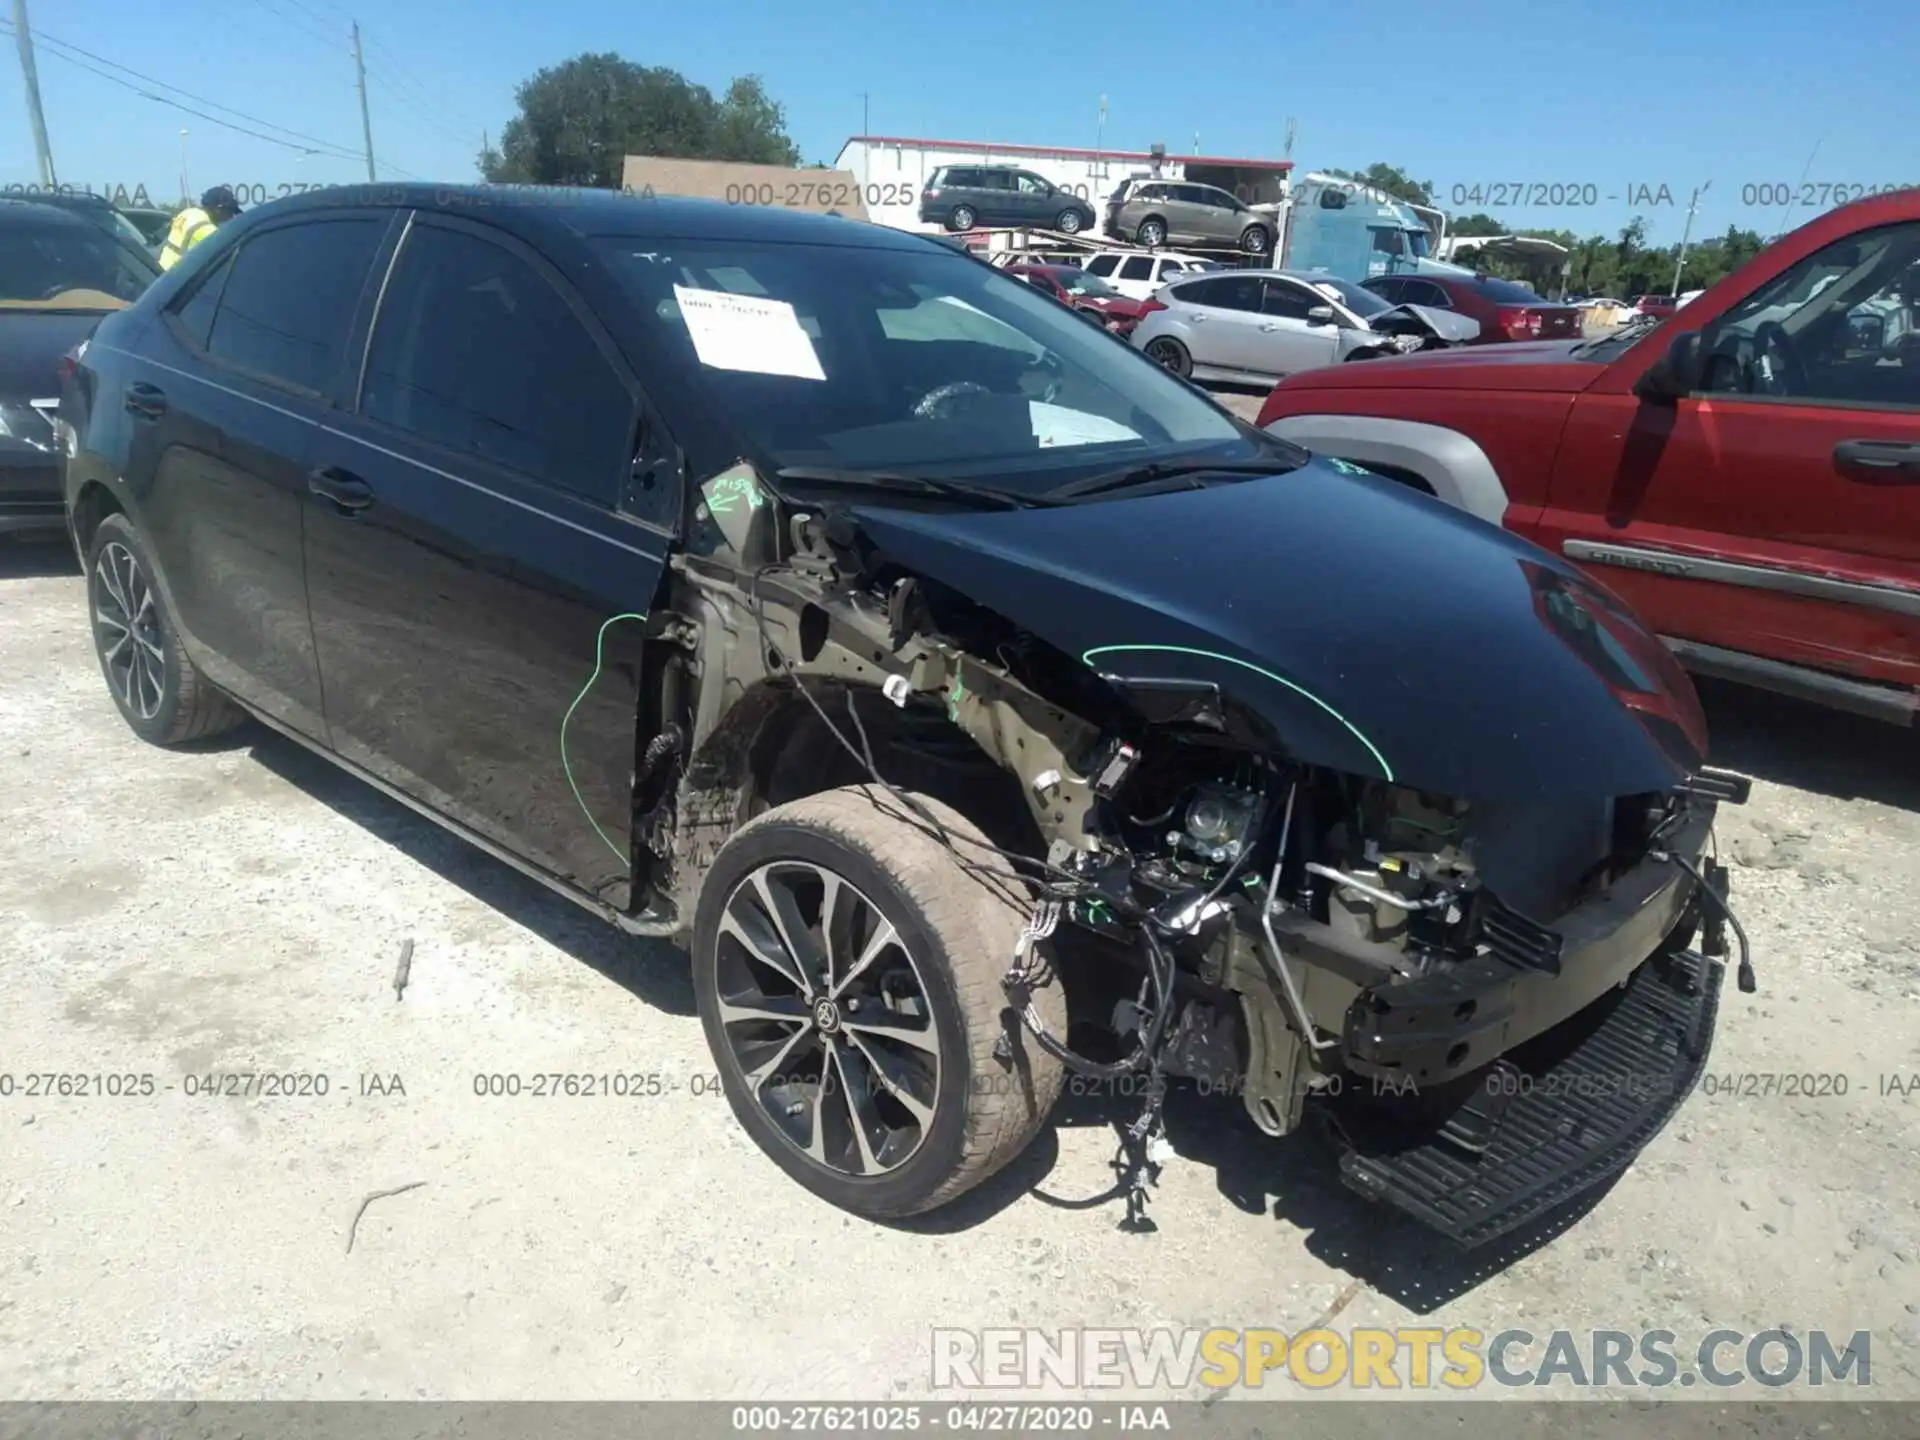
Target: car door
{"type": "Point", "coordinates": [1134, 278]}
{"type": "Point", "coordinates": [1032, 199]}
{"type": "Point", "coordinates": [999, 200]}
{"type": "Point", "coordinates": [1227, 324]}
{"type": "Point", "coordinates": [479, 570]}
{"type": "Point", "coordinates": [1214, 214]}
{"type": "Point", "coordinates": [1292, 342]}
{"type": "Point", "coordinates": [1775, 510]}
{"type": "Point", "coordinates": [225, 397]}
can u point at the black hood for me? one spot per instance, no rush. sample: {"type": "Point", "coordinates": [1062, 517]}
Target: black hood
{"type": "Point", "coordinates": [1372, 629]}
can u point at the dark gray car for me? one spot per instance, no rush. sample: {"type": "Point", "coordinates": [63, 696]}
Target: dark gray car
{"type": "Point", "coordinates": [1159, 212]}
{"type": "Point", "coordinates": [961, 197]}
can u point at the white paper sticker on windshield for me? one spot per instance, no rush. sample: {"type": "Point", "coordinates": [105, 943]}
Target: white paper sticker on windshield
{"type": "Point", "coordinates": [746, 332]}
{"type": "Point", "coordinates": [1057, 425]}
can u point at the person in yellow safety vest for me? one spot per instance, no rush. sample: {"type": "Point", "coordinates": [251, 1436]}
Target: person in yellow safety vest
{"type": "Point", "coordinates": [196, 222]}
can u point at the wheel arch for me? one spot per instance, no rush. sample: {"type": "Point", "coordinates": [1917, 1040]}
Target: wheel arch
{"type": "Point", "coordinates": [1453, 466]}
{"type": "Point", "coordinates": [92, 502]}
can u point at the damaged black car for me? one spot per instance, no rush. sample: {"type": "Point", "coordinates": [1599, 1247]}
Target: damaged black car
{"type": "Point", "coordinates": [976, 701]}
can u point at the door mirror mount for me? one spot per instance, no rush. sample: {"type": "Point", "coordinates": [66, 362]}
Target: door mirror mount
{"type": "Point", "coordinates": [1675, 375]}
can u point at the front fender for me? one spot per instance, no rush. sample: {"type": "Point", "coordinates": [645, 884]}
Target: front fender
{"type": "Point", "coordinates": [1453, 465]}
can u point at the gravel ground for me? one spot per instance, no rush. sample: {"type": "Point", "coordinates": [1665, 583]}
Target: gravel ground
{"type": "Point", "coordinates": [240, 907]}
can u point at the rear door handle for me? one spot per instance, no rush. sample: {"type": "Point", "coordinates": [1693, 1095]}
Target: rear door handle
{"type": "Point", "coordinates": [348, 492]}
{"type": "Point", "coordinates": [149, 402]}
{"type": "Point", "coordinates": [1878, 462]}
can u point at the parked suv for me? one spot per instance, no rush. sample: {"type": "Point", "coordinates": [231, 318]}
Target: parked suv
{"type": "Point", "coordinates": [1503, 309]}
{"type": "Point", "coordinates": [923, 660]}
{"type": "Point", "coordinates": [1746, 474]}
{"type": "Point", "coordinates": [1137, 276]}
{"type": "Point", "coordinates": [1156, 212]}
{"type": "Point", "coordinates": [963, 197]}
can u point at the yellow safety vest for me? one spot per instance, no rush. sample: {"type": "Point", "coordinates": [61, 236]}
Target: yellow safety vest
{"type": "Point", "coordinates": [189, 228]}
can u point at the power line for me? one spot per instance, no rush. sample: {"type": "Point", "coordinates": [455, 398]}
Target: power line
{"type": "Point", "coordinates": [301, 26]}
{"type": "Point", "coordinates": [314, 144]}
{"type": "Point", "coordinates": [64, 45]}
{"type": "Point", "coordinates": [313, 148]}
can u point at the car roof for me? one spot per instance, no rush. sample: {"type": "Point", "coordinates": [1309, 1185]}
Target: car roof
{"type": "Point", "coordinates": [541, 211]}
{"type": "Point", "coordinates": [39, 213]}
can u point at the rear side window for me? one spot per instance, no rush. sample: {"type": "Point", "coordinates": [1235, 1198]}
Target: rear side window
{"type": "Point", "coordinates": [195, 317]}
{"type": "Point", "coordinates": [286, 305]}
{"type": "Point", "coordinates": [1138, 267]}
{"type": "Point", "coordinates": [1171, 269]}
{"type": "Point", "coordinates": [1102, 264]}
{"type": "Point", "coordinates": [474, 351]}
{"type": "Point", "coordinates": [1226, 292]}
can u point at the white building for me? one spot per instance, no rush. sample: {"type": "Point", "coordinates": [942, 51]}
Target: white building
{"type": "Point", "coordinates": [893, 170]}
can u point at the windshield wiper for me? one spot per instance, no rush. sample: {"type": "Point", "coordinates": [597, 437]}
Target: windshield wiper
{"type": "Point", "coordinates": [1109, 481]}
{"type": "Point", "coordinates": [906, 485]}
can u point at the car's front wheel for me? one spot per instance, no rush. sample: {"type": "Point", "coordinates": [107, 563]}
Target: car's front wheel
{"type": "Point", "coordinates": [1068, 223]}
{"type": "Point", "coordinates": [847, 969]}
{"type": "Point", "coordinates": [159, 693]}
{"type": "Point", "coordinates": [1254, 240]}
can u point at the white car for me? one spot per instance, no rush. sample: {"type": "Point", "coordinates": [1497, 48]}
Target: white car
{"type": "Point", "coordinates": [1259, 326]}
{"type": "Point", "coordinates": [1137, 273]}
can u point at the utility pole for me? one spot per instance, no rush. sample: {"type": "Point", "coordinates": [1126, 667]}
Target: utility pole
{"type": "Point", "coordinates": [360, 71]}
{"type": "Point", "coordinates": [32, 78]}
{"type": "Point", "coordinates": [183, 165]}
{"type": "Point", "coordinates": [1687, 234]}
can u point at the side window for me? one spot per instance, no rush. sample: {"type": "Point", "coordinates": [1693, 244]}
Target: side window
{"type": "Point", "coordinates": [1289, 301]}
{"type": "Point", "coordinates": [1137, 267]}
{"type": "Point", "coordinates": [1388, 242]}
{"type": "Point", "coordinates": [542, 399]}
{"type": "Point", "coordinates": [961, 179]}
{"type": "Point", "coordinates": [1206, 195]}
{"type": "Point", "coordinates": [1425, 292]}
{"type": "Point", "coordinates": [289, 298]}
{"type": "Point", "coordinates": [1234, 292]}
{"type": "Point", "coordinates": [1102, 264]}
{"type": "Point", "coordinates": [996, 180]}
{"type": "Point", "coordinates": [1031, 184]}
{"type": "Point", "coordinates": [1389, 289]}
{"type": "Point", "coordinates": [195, 315]}
{"type": "Point", "coordinates": [1840, 326]}
{"type": "Point", "coordinates": [1171, 270]}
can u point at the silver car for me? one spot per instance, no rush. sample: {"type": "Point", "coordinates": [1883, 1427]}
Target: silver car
{"type": "Point", "coordinates": [1263, 325]}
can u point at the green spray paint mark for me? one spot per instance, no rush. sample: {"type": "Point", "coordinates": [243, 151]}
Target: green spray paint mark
{"type": "Point", "coordinates": [954, 697]}
{"type": "Point", "coordinates": [730, 490]}
{"type": "Point", "coordinates": [1346, 467]}
{"type": "Point", "coordinates": [599, 652]}
{"type": "Point", "coordinates": [1352, 729]}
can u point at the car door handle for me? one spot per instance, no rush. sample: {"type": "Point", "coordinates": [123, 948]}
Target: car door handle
{"type": "Point", "coordinates": [349, 492]}
{"type": "Point", "coordinates": [1878, 462]}
{"type": "Point", "coordinates": [1270, 326]}
{"type": "Point", "coordinates": [149, 402]}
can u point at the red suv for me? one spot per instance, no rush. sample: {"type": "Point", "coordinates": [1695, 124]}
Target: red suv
{"type": "Point", "coordinates": [1505, 309]}
{"type": "Point", "coordinates": [1746, 474]}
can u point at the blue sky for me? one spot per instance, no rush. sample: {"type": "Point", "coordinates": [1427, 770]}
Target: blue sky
{"type": "Point", "coordinates": [1612, 97]}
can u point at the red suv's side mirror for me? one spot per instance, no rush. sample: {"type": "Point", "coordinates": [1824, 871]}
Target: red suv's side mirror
{"type": "Point", "coordinates": [1675, 375]}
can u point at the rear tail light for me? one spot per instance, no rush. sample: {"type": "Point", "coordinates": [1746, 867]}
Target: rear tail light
{"type": "Point", "coordinates": [932, 192]}
{"type": "Point", "coordinates": [1147, 307]}
{"type": "Point", "coordinates": [69, 363]}
{"type": "Point", "coordinates": [1517, 323]}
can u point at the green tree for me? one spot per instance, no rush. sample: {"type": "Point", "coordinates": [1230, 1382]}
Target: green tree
{"type": "Point", "coordinates": [1475, 224]}
{"type": "Point", "coordinates": [579, 120]}
{"type": "Point", "coordinates": [1392, 179]}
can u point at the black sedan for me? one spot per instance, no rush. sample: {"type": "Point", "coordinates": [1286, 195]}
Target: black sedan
{"type": "Point", "coordinates": [839, 607]}
{"type": "Point", "coordinates": [59, 274]}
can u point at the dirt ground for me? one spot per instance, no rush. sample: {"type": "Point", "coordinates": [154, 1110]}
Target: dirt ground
{"type": "Point", "coordinates": [240, 907]}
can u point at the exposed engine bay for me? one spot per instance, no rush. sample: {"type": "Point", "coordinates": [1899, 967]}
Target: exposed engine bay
{"type": "Point", "coordinates": [1221, 907]}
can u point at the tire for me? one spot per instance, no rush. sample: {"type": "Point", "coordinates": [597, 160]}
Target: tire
{"type": "Point", "coordinates": [955, 935]}
{"type": "Point", "coordinates": [1254, 240]}
{"type": "Point", "coordinates": [159, 693]}
{"type": "Point", "coordinates": [961, 217]}
{"type": "Point", "coordinates": [1069, 222]}
{"type": "Point", "coordinates": [1170, 353]}
{"type": "Point", "coordinates": [1152, 233]}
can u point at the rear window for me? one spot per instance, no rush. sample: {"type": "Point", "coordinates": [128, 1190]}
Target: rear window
{"type": "Point", "coordinates": [1505, 292]}
{"type": "Point", "coordinates": [74, 266]}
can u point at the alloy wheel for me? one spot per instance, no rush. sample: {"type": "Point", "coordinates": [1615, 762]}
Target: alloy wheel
{"type": "Point", "coordinates": [127, 626]}
{"type": "Point", "coordinates": [1168, 353]}
{"type": "Point", "coordinates": [1069, 222]}
{"type": "Point", "coordinates": [827, 1017]}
